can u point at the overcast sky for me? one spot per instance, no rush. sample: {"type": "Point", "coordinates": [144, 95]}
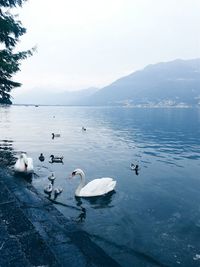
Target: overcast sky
{"type": "Point", "coordinates": [86, 43]}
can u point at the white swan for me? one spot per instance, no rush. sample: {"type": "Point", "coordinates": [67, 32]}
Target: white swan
{"type": "Point", "coordinates": [96, 187]}
{"type": "Point", "coordinates": [24, 164]}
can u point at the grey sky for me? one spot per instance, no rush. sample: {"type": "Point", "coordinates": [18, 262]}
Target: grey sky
{"type": "Point", "coordinates": [84, 43]}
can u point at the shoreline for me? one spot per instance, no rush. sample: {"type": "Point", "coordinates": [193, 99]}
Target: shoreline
{"type": "Point", "coordinates": [34, 233]}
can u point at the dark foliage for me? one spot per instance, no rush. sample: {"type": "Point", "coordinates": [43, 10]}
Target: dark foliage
{"type": "Point", "coordinates": [11, 3]}
{"type": "Point", "coordinates": [10, 31]}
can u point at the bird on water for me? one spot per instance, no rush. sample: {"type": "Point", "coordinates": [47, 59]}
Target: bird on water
{"type": "Point", "coordinates": [96, 187]}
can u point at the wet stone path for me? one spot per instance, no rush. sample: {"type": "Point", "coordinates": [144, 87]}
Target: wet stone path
{"type": "Point", "coordinates": [34, 233]}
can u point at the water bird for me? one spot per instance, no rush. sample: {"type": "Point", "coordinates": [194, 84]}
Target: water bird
{"type": "Point", "coordinates": [52, 178]}
{"type": "Point", "coordinates": [41, 157]}
{"type": "Point", "coordinates": [24, 164]}
{"type": "Point", "coordinates": [96, 187]}
{"type": "Point", "coordinates": [57, 192]}
{"type": "Point", "coordinates": [55, 135]}
{"type": "Point", "coordinates": [48, 189]}
{"type": "Point", "coordinates": [56, 159]}
{"type": "Point", "coordinates": [134, 167]}
{"type": "Point", "coordinates": [83, 129]}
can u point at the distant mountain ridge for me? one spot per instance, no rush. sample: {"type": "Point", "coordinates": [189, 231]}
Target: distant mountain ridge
{"type": "Point", "coordinates": [167, 84]}
{"type": "Point", "coordinates": [174, 83]}
{"type": "Point", "coordinates": [40, 97]}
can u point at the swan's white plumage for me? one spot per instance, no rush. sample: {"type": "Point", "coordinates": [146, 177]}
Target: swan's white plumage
{"type": "Point", "coordinates": [96, 187]}
{"type": "Point", "coordinates": [24, 164]}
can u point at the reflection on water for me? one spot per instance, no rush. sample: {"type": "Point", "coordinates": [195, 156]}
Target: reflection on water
{"type": "Point", "coordinates": [153, 218]}
{"type": "Point", "coordinates": [26, 176]}
{"type": "Point", "coordinates": [82, 216]}
{"type": "Point", "coordinates": [100, 202]}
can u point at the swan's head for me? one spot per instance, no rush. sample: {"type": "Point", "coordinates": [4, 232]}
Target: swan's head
{"type": "Point", "coordinates": [52, 156]}
{"type": "Point", "coordinates": [24, 158]}
{"type": "Point", "coordinates": [77, 172]}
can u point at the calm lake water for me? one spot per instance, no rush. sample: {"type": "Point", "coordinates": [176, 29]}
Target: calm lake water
{"type": "Point", "coordinates": [153, 218]}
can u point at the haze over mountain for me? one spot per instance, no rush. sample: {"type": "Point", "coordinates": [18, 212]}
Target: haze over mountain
{"type": "Point", "coordinates": [40, 97]}
{"type": "Point", "coordinates": [174, 83]}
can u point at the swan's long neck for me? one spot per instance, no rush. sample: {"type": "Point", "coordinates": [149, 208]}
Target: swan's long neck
{"type": "Point", "coordinates": [23, 162]}
{"type": "Point", "coordinates": [25, 159]}
{"type": "Point", "coordinates": [81, 184]}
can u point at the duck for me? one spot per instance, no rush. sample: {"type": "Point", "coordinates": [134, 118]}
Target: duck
{"type": "Point", "coordinates": [96, 187]}
{"type": "Point", "coordinates": [41, 157]}
{"type": "Point", "coordinates": [57, 192]}
{"type": "Point", "coordinates": [56, 159]}
{"type": "Point", "coordinates": [83, 129]}
{"type": "Point", "coordinates": [55, 135]}
{"type": "Point", "coordinates": [134, 167]}
{"type": "Point", "coordinates": [24, 164]}
{"type": "Point", "coordinates": [48, 189]}
{"type": "Point", "coordinates": [52, 178]}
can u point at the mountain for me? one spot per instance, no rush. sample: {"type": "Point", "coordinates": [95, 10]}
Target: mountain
{"type": "Point", "coordinates": [167, 84]}
{"type": "Point", "coordinates": [40, 97]}
{"type": "Point", "coordinates": [175, 83]}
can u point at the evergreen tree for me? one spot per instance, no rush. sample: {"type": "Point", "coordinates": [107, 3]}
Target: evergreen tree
{"type": "Point", "coordinates": [10, 31]}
